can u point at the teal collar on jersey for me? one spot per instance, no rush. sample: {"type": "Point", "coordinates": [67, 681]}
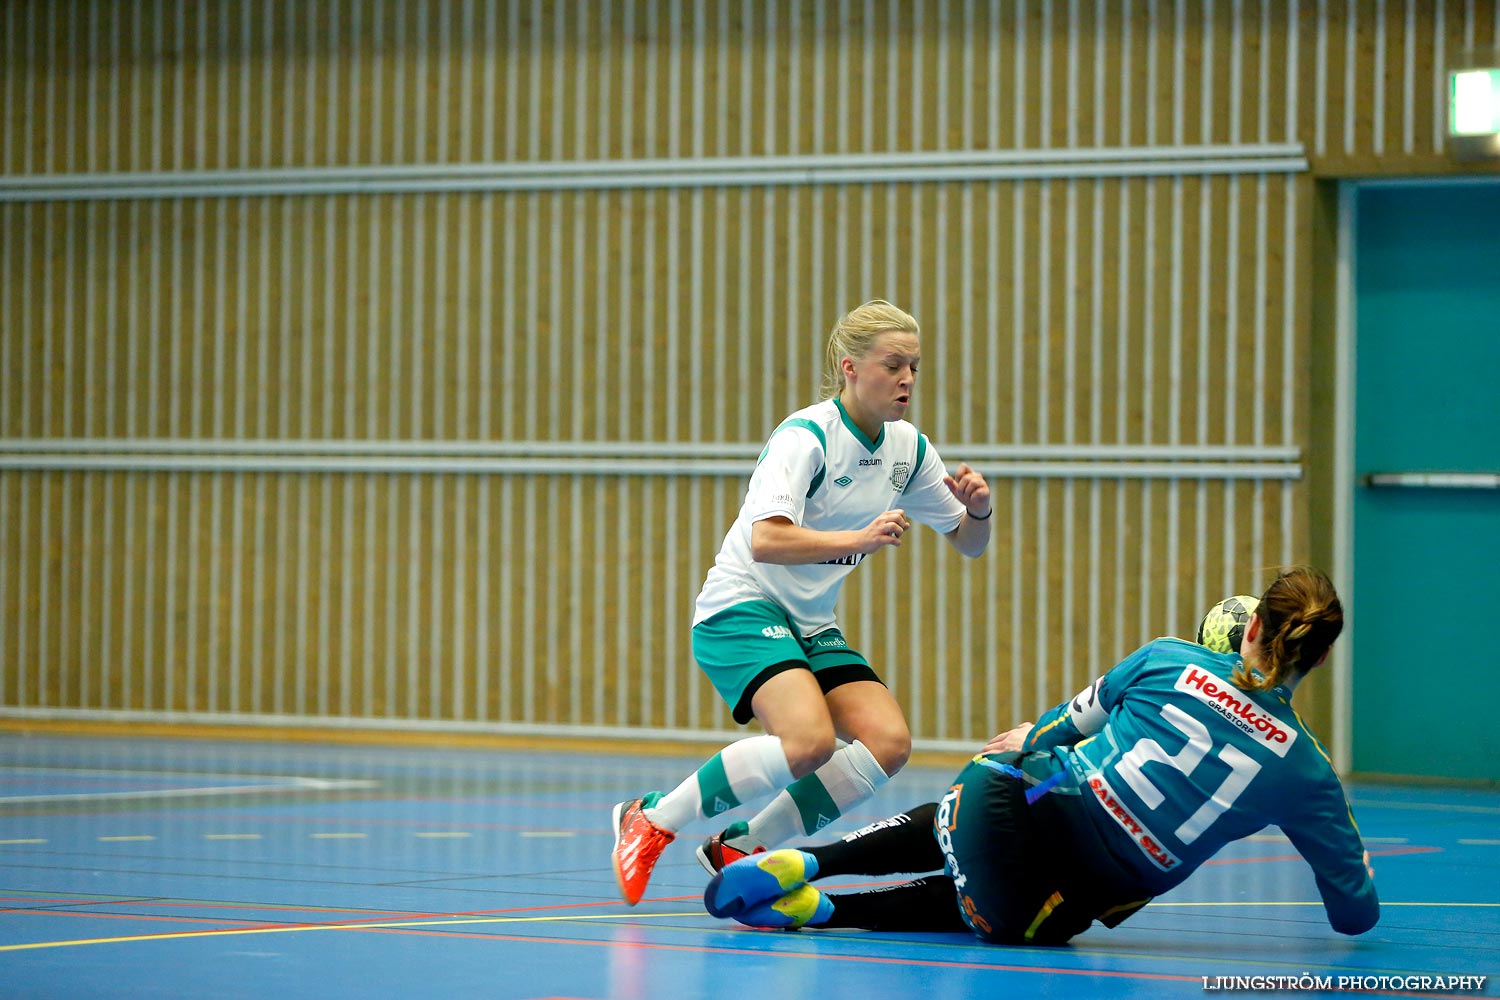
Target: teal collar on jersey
{"type": "Point", "coordinates": [853, 428]}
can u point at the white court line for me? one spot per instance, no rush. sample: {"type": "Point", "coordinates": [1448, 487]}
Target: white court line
{"type": "Point", "coordinates": [1281, 838]}
{"type": "Point", "coordinates": [568, 918]}
{"type": "Point", "coordinates": [273, 783]}
{"type": "Point", "coordinates": [1478, 842]}
{"type": "Point", "coordinates": [121, 772]}
{"type": "Point", "coordinates": [1427, 806]}
{"type": "Point", "coordinates": [304, 928]}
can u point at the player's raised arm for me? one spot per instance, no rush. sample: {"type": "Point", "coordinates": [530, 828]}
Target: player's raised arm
{"type": "Point", "coordinates": [972, 535]}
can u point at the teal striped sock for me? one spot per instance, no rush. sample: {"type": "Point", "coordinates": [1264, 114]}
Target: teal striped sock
{"type": "Point", "coordinates": [742, 772]}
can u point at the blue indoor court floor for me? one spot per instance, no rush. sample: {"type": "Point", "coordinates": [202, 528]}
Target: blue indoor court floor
{"type": "Point", "coordinates": [141, 867]}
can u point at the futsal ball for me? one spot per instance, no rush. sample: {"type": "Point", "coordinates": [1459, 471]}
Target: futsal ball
{"type": "Point", "coordinates": [1224, 625]}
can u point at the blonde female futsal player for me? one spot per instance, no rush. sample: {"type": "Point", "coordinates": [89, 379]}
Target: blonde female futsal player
{"type": "Point", "coordinates": [837, 481]}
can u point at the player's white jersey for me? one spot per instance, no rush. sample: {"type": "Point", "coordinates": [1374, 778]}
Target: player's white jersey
{"type": "Point", "coordinates": [821, 471]}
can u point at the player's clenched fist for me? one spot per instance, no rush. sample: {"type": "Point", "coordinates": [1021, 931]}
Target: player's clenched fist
{"type": "Point", "coordinates": [886, 529]}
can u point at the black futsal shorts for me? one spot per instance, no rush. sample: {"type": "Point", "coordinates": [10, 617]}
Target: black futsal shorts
{"type": "Point", "coordinates": [1026, 873]}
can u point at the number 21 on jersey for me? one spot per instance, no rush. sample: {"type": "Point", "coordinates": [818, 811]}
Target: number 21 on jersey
{"type": "Point", "coordinates": [1242, 770]}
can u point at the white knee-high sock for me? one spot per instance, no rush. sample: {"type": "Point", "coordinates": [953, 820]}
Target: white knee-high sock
{"type": "Point", "coordinates": [811, 802]}
{"type": "Point", "coordinates": [742, 772]}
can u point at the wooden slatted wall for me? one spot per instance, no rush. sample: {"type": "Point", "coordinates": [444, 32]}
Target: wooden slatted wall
{"type": "Point", "coordinates": [1169, 310]}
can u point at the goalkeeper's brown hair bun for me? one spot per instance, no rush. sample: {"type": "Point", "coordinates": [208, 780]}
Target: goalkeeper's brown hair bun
{"type": "Point", "coordinates": [1300, 617]}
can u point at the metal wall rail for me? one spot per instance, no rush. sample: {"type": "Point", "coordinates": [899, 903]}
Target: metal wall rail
{"type": "Point", "coordinates": [250, 720]}
{"type": "Point", "coordinates": [640, 458]}
{"type": "Point", "coordinates": [610, 449]}
{"type": "Point", "coordinates": [686, 172]}
{"type": "Point", "coordinates": [606, 467]}
{"type": "Point", "coordinates": [1434, 480]}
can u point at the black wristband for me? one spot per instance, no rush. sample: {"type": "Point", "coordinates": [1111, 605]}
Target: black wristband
{"type": "Point", "coordinates": [988, 514]}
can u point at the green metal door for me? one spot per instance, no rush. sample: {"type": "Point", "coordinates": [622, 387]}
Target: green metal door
{"type": "Point", "coordinates": [1426, 515]}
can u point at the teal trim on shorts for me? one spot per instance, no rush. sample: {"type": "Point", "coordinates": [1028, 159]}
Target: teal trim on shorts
{"type": "Point", "coordinates": [736, 645]}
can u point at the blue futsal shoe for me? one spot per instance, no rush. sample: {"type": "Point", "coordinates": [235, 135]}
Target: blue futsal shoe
{"type": "Point", "coordinates": [804, 906]}
{"type": "Point", "coordinates": [759, 878]}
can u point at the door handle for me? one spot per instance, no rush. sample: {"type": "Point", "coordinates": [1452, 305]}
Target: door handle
{"type": "Point", "coordinates": [1433, 480]}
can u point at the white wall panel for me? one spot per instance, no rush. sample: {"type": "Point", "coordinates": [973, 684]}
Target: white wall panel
{"type": "Point", "coordinates": [544, 228]}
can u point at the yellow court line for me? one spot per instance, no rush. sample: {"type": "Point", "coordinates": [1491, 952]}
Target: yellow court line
{"type": "Point", "coordinates": [338, 927]}
{"type": "Point", "coordinates": [24, 840]}
{"type": "Point", "coordinates": [474, 921]}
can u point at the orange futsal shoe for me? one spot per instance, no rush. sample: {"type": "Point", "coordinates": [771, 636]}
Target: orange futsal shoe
{"type": "Point", "coordinates": [714, 853]}
{"type": "Point", "coordinates": [638, 845]}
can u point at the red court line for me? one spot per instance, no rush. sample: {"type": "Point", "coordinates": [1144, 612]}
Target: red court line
{"type": "Point", "coordinates": [143, 917]}
{"type": "Point", "coordinates": [758, 953]}
{"type": "Point", "coordinates": [869, 959]}
{"type": "Point", "coordinates": [275, 909]}
{"type": "Point", "coordinates": [753, 953]}
{"type": "Point", "coordinates": [310, 925]}
{"type": "Point", "coordinates": [230, 920]}
{"type": "Point", "coordinates": [298, 926]}
{"type": "Point", "coordinates": [477, 800]}
{"type": "Point", "coordinates": [274, 819]}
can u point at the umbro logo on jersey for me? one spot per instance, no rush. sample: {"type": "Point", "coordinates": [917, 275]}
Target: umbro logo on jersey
{"type": "Point", "coordinates": [842, 481]}
{"type": "Point", "coordinates": [776, 632]}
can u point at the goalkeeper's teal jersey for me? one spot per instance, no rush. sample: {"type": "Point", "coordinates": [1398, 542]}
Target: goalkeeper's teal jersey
{"type": "Point", "coordinates": [1170, 761]}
